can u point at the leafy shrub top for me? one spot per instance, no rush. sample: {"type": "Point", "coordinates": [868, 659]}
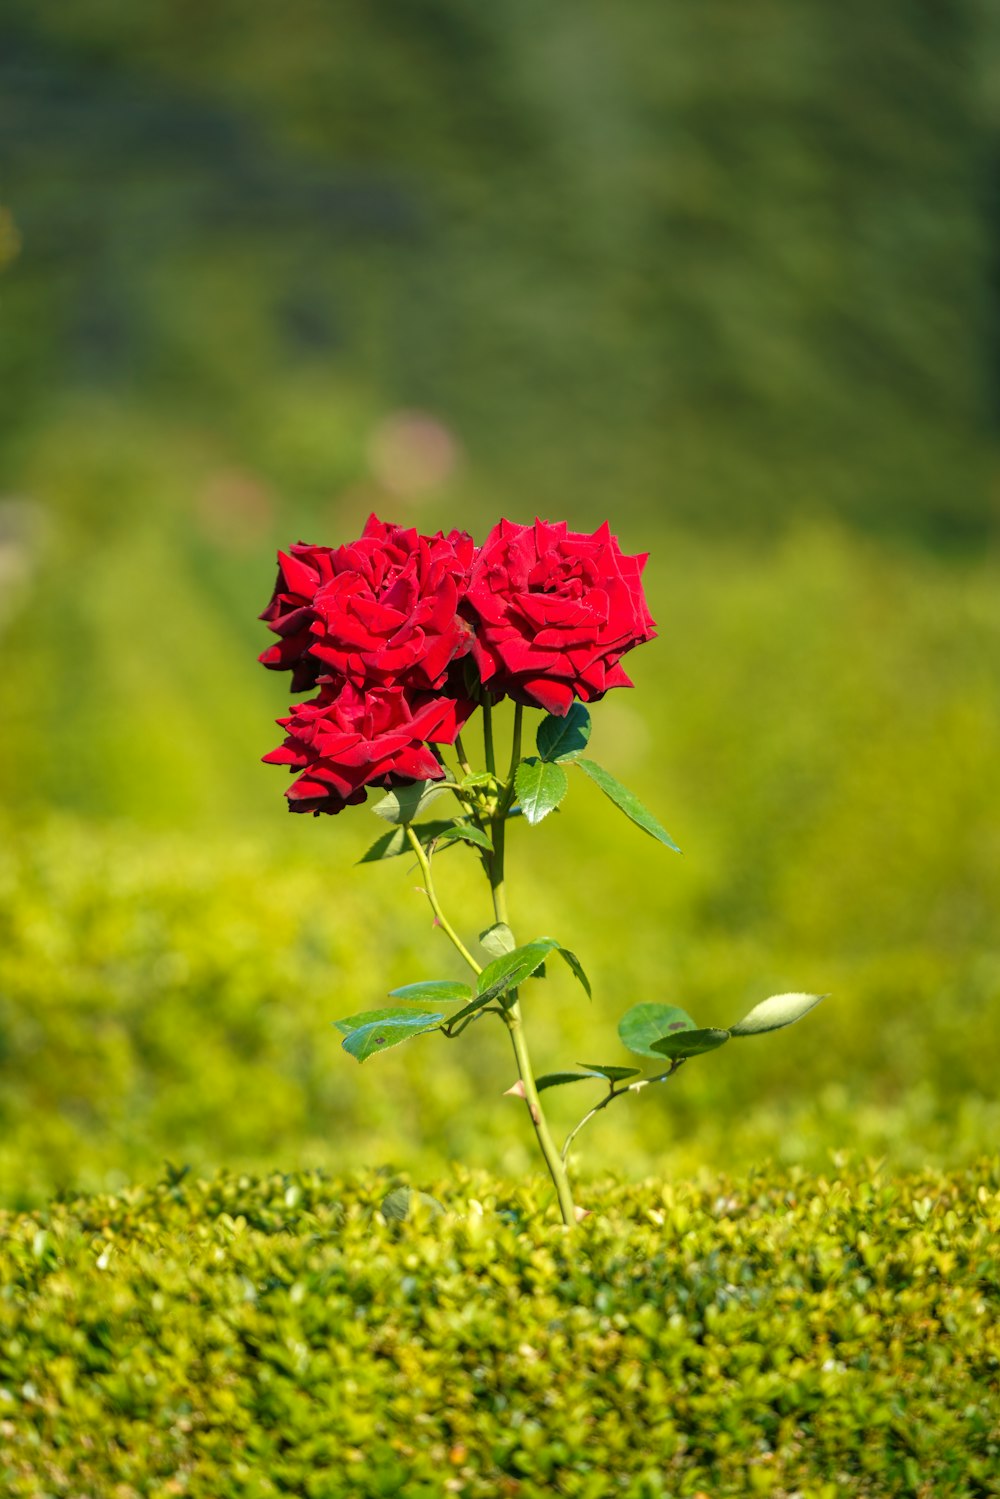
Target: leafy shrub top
{"type": "Point", "coordinates": [260, 1337]}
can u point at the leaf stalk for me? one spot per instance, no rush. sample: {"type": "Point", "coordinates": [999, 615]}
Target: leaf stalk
{"type": "Point", "coordinates": [610, 1097]}
{"type": "Point", "coordinates": [435, 905]}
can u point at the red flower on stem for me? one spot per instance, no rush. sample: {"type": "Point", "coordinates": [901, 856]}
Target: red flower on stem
{"type": "Point", "coordinates": [302, 571]}
{"type": "Point", "coordinates": [554, 611]}
{"type": "Point", "coordinates": [379, 611]}
{"type": "Point", "coordinates": [345, 740]}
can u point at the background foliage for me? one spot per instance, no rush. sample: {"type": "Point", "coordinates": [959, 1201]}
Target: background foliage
{"type": "Point", "coordinates": [742, 255]}
{"type": "Point", "coordinates": [724, 274]}
{"type": "Point", "coordinates": [819, 734]}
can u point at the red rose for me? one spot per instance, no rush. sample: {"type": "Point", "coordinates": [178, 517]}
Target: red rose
{"type": "Point", "coordinates": [343, 741]}
{"type": "Point", "coordinates": [301, 571]}
{"type": "Point", "coordinates": [554, 612]}
{"type": "Point", "coordinates": [389, 612]}
{"type": "Point", "coordinates": [381, 610]}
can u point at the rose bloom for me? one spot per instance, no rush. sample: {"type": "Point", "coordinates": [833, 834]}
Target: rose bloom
{"type": "Point", "coordinates": [378, 611]}
{"type": "Point", "coordinates": [554, 612]}
{"type": "Point", "coordinates": [347, 739]}
{"type": "Point", "coordinates": [302, 571]}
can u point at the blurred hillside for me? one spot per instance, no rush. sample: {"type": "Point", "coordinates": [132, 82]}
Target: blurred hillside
{"type": "Point", "coordinates": [712, 262]}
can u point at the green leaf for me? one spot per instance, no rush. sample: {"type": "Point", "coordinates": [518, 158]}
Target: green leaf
{"type": "Point", "coordinates": [689, 1043]}
{"type": "Point", "coordinates": [612, 1074]}
{"type": "Point", "coordinates": [438, 991]}
{"type": "Point", "coordinates": [385, 1014]}
{"type": "Point", "coordinates": [390, 845]}
{"type": "Point", "coordinates": [771, 1014]}
{"type": "Point", "coordinates": [540, 787]}
{"type": "Point", "coordinates": [379, 1030]}
{"type": "Point", "coordinates": [404, 803]}
{"type": "Point", "coordinates": [512, 968]}
{"type": "Point", "coordinates": [643, 1024]}
{"type": "Point", "coordinates": [498, 939]}
{"type": "Point", "coordinates": [467, 831]}
{"type": "Point", "coordinates": [575, 965]}
{"type": "Point", "coordinates": [591, 1074]}
{"type": "Point", "coordinates": [627, 801]}
{"type": "Point", "coordinates": [557, 1079]}
{"type": "Point", "coordinates": [563, 738]}
{"type": "Point", "coordinates": [386, 846]}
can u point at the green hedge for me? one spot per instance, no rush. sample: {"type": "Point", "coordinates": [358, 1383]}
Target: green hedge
{"type": "Point", "coordinates": [780, 1334]}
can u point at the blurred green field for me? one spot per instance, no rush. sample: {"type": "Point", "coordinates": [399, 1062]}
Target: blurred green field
{"type": "Point", "coordinates": [818, 725]}
{"type": "Point", "coordinates": [729, 262]}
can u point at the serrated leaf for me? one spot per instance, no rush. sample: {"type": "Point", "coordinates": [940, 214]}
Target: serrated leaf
{"type": "Point", "coordinates": [557, 1079]}
{"type": "Point", "coordinates": [386, 846]}
{"type": "Point", "coordinates": [379, 1030]}
{"type": "Point", "coordinates": [627, 801]}
{"type": "Point", "coordinates": [390, 845]}
{"type": "Point", "coordinates": [643, 1024]}
{"type": "Point", "coordinates": [563, 739]}
{"type": "Point", "coordinates": [512, 968]}
{"type": "Point", "coordinates": [438, 991]}
{"type": "Point", "coordinates": [385, 1013]}
{"type": "Point", "coordinates": [576, 967]}
{"type": "Point", "coordinates": [498, 939]}
{"type": "Point", "coordinates": [689, 1043]}
{"type": "Point", "coordinates": [540, 787]}
{"type": "Point", "coordinates": [775, 1013]}
{"type": "Point", "coordinates": [404, 803]}
{"type": "Point", "coordinates": [467, 832]}
{"type": "Point", "coordinates": [364, 1017]}
{"type": "Point", "coordinates": [612, 1074]}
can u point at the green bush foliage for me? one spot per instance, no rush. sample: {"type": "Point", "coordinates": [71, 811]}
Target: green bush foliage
{"type": "Point", "coordinates": [777, 1335]}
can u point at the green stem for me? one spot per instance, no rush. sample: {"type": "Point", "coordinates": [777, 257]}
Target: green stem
{"type": "Point", "coordinates": [439, 916]}
{"type": "Point", "coordinates": [513, 1018]}
{"type": "Point", "coordinates": [610, 1098]}
{"type": "Point", "coordinates": [491, 764]}
{"type": "Point", "coordinates": [498, 837]}
{"type": "Point", "coordinates": [553, 1160]}
{"type": "Point", "coordinates": [515, 748]}
{"type": "Point", "coordinates": [463, 759]}
{"type": "Point", "coordinates": [507, 800]}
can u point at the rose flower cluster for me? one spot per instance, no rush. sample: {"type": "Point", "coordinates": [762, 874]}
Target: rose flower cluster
{"type": "Point", "coordinates": [402, 636]}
